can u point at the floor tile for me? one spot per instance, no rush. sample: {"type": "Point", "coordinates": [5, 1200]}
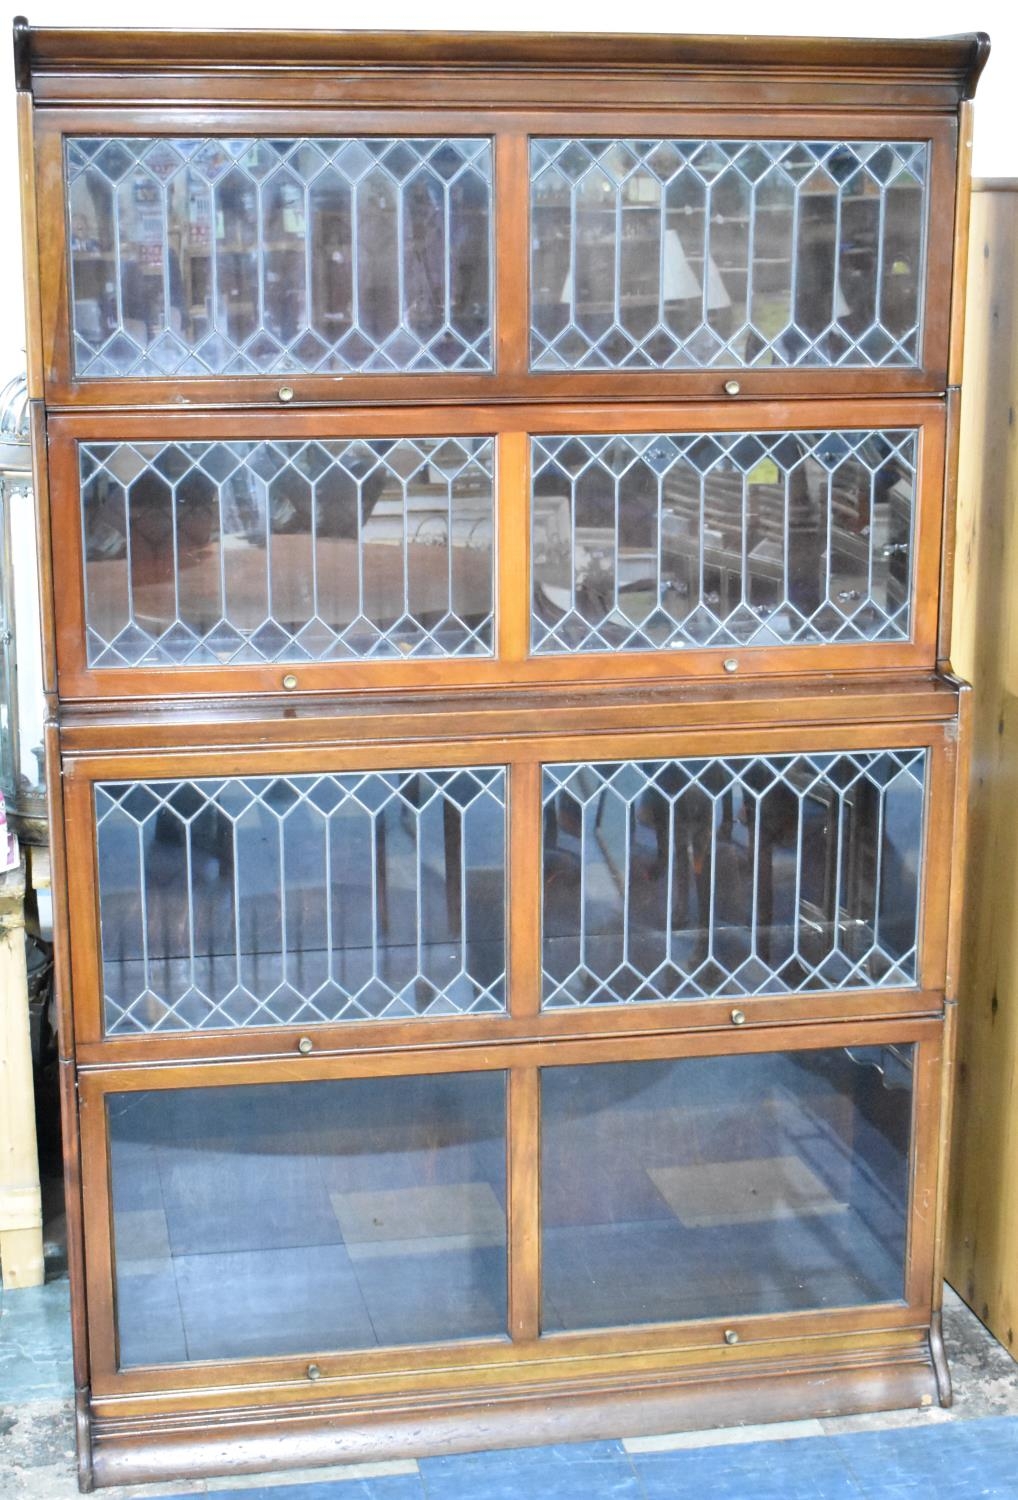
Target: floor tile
{"type": "Point", "coordinates": [574, 1471]}
{"type": "Point", "coordinates": [333, 1474]}
{"type": "Point", "coordinates": [797, 1469]}
{"type": "Point", "coordinates": [958, 1461]}
{"type": "Point", "coordinates": [436, 1296]}
{"type": "Point", "coordinates": [723, 1437]}
{"type": "Point", "coordinates": [384, 1487]}
{"type": "Point", "coordinates": [424, 1214]}
{"type": "Point", "coordinates": [307, 1297]}
{"type": "Point", "coordinates": [149, 1318]}
{"type": "Point", "coordinates": [35, 1343]}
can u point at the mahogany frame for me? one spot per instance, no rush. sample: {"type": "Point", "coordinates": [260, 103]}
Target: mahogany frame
{"type": "Point", "coordinates": [511, 378]}
{"type": "Point", "coordinates": [524, 1019]}
{"type": "Point", "coordinates": [512, 663]}
{"type": "Point", "coordinates": [191, 1422]}
{"type": "Point", "coordinates": [381, 1371]}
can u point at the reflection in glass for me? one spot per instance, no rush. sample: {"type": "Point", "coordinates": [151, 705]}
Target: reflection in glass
{"type": "Point", "coordinates": [289, 900]}
{"type": "Point", "coordinates": [194, 256]}
{"type": "Point", "coordinates": [663, 540]}
{"type": "Point", "coordinates": [686, 879]}
{"type": "Point", "coordinates": [662, 254]}
{"type": "Point", "coordinates": [203, 553]}
{"type": "Point", "coordinates": [279, 1219]}
{"type": "Point", "coordinates": [720, 1187]}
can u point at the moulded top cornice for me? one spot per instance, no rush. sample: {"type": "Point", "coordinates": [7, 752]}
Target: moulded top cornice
{"type": "Point", "coordinates": [47, 53]}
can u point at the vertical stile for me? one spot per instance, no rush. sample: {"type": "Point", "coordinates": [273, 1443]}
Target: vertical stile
{"type": "Point", "coordinates": [923, 1219]}
{"type": "Point", "coordinates": [523, 1136]}
{"type": "Point", "coordinates": [524, 915]}
{"type": "Point", "coordinates": [937, 854]}
{"type": "Point", "coordinates": [960, 853]}
{"type": "Point", "coordinates": [524, 1153]}
{"type": "Point", "coordinates": [512, 252]}
{"type": "Point", "coordinates": [962, 208]}
{"type": "Point", "coordinates": [34, 368]}
{"type": "Point", "coordinates": [512, 511]}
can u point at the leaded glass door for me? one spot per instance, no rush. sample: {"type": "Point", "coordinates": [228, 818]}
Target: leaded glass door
{"type": "Point", "coordinates": [488, 262]}
{"type": "Point", "coordinates": [493, 546]}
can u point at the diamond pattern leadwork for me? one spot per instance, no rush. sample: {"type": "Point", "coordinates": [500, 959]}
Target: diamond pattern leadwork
{"type": "Point", "coordinates": [205, 553]}
{"type": "Point", "coordinates": [655, 541]}
{"type": "Point", "coordinates": [199, 256]}
{"type": "Point", "coordinates": [291, 900]}
{"type": "Point", "coordinates": [668, 254]}
{"type": "Point", "coordinates": [687, 879]}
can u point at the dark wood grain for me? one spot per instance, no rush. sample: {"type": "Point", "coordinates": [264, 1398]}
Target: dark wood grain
{"type": "Point", "coordinates": [514, 710]}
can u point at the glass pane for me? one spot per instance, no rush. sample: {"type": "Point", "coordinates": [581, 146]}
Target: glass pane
{"type": "Point", "coordinates": [204, 553]}
{"type": "Point", "coordinates": [201, 256]}
{"type": "Point", "coordinates": [656, 541]}
{"type": "Point", "coordinates": [279, 1219]}
{"type": "Point", "coordinates": [660, 254]}
{"type": "Point", "coordinates": [718, 1187]}
{"type": "Point", "coordinates": [289, 900]}
{"type": "Point", "coordinates": [749, 875]}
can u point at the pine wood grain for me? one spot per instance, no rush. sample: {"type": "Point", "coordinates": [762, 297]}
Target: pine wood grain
{"type": "Point", "coordinates": [982, 1236]}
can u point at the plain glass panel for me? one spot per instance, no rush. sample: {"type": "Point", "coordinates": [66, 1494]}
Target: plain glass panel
{"type": "Point", "coordinates": [234, 552]}
{"type": "Point", "coordinates": [662, 254]}
{"type": "Point", "coordinates": [688, 879]}
{"type": "Point", "coordinates": [197, 256]}
{"type": "Point", "coordinates": [722, 1187]}
{"type": "Point", "coordinates": [264, 901]}
{"type": "Point", "coordinates": [659, 541]}
{"type": "Point", "coordinates": [299, 1218]}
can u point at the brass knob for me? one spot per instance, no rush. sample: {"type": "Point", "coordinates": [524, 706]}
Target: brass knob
{"type": "Point", "coordinates": [730, 664]}
{"type": "Point", "coordinates": [314, 1373]}
{"type": "Point", "coordinates": [731, 1337]}
{"type": "Point", "coordinates": [738, 1018]}
{"type": "Point", "coordinates": [305, 1045]}
{"type": "Point", "coordinates": [732, 387]}
{"type": "Point", "coordinates": [289, 682]}
{"type": "Point", "coordinates": [286, 393]}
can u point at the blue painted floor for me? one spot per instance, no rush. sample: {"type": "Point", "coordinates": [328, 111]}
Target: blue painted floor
{"type": "Point", "coordinates": [944, 1461]}
{"type": "Point", "coordinates": [964, 1454]}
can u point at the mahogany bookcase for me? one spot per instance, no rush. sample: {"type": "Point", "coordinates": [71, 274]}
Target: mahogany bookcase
{"type": "Point", "coordinates": [496, 509]}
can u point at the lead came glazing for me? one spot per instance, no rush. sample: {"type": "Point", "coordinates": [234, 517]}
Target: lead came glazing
{"type": "Point", "coordinates": [700, 878]}
{"type": "Point", "coordinates": [662, 540]}
{"type": "Point", "coordinates": [200, 256]}
{"type": "Point", "coordinates": [204, 553]}
{"type": "Point", "coordinates": [670, 254]}
{"type": "Point", "coordinates": [289, 900]}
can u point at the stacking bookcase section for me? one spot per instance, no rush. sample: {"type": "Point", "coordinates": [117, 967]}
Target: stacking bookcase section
{"type": "Point", "coordinates": [344, 891]}
{"type": "Point", "coordinates": [385, 548]}
{"type": "Point", "coordinates": [771, 1188]}
{"type": "Point", "coordinates": [662, 249]}
{"type": "Point", "coordinates": [496, 512]}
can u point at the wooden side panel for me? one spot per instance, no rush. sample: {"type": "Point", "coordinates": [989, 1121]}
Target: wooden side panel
{"type": "Point", "coordinates": [982, 1237]}
{"type": "Point", "coordinates": [30, 240]}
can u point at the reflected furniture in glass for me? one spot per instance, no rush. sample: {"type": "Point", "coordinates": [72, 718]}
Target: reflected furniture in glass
{"type": "Point", "coordinates": [506, 771]}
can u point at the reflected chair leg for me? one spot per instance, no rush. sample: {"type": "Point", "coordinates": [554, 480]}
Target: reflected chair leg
{"type": "Point", "coordinates": [452, 828]}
